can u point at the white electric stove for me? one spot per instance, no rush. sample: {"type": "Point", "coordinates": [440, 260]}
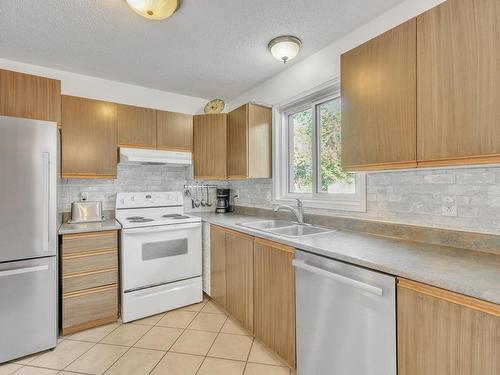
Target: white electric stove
{"type": "Point", "coordinates": [160, 254]}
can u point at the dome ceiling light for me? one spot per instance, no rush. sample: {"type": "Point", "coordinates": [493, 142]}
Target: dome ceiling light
{"type": "Point", "coordinates": [284, 48]}
{"type": "Point", "coordinates": [154, 9]}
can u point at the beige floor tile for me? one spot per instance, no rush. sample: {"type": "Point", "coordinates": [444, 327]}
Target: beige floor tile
{"type": "Point", "coordinates": [126, 334]}
{"type": "Point", "coordinates": [69, 373]}
{"type": "Point", "coordinates": [136, 362]}
{"type": "Point", "coordinates": [232, 326]}
{"type": "Point", "coordinates": [98, 359]}
{"type": "Point", "coordinates": [28, 370]}
{"type": "Point", "coordinates": [94, 334]}
{"type": "Point", "coordinates": [195, 307]}
{"type": "Point", "coordinates": [28, 358]}
{"type": "Point", "coordinates": [216, 366]}
{"type": "Point", "coordinates": [65, 353]}
{"type": "Point", "coordinates": [159, 338]}
{"type": "Point", "coordinates": [208, 322]}
{"type": "Point", "coordinates": [194, 342]}
{"type": "Point", "coordinates": [260, 369]}
{"type": "Point", "coordinates": [260, 354]}
{"type": "Point", "coordinates": [211, 307]}
{"type": "Point", "coordinates": [178, 364]}
{"type": "Point", "coordinates": [150, 320]}
{"type": "Point", "coordinates": [229, 346]}
{"type": "Point", "coordinates": [9, 368]}
{"type": "Point", "coordinates": [177, 319]}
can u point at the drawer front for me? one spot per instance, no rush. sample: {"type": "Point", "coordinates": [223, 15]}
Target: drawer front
{"type": "Point", "coordinates": [89, 280]}
{"type": "Point", "coordinates": [89, 306]}
{"type": "Point", "coordinates": [89, 263]}
{"type": "Point", "coordinates": [87, 242]}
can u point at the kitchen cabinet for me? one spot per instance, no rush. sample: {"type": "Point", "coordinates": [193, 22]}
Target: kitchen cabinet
{"type": "Point", "coordinates": [379, 88]}
{"type": "Point", "coordinates": [218, 265]}
{"type": "Point", "coordinates": [440, 332]}
{"type": "Point", "coordinates": [89, 144]}
{"type": "Point", "coordinates": [210, 146]}
{"type": "Point", "coordinates": [249, 142]}
{"type": "Point", "coordinates": [174, 131]}
{"type": "Point", "coordinates": [274, 297]}
{"type": "Point", "coordinates": [136, 126]}
{"type": "Point", "coordinates": [458, 79]}
{"type": "Point", "coordinates": [89, 281]}
{"type": "Point", "coordinates": [239, 277]}
{"type": "Point", "coordinates": [29, 96]}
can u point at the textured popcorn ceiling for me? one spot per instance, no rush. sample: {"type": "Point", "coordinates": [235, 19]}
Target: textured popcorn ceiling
{"type": "Point", "coordinates": [209, 48]}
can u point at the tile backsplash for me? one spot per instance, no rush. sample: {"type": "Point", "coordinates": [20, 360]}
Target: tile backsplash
{"type": "Point", "coordinates": [461, 198]}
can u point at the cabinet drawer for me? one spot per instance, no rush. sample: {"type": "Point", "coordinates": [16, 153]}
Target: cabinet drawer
{"type": "Point", "coordinates": [73, 283]}
{"type": "Point", "coordinates": [89, 306]}
{"type": "Point", "coordinates": [85, 242]}
{"type": "Point", "coordinates": [90, 262]}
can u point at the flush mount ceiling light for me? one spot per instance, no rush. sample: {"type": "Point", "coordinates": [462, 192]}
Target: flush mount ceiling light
{"type": "Point", "coordinates": [154, 9]}
{"type": "Point", "coordinates": [284, 48]}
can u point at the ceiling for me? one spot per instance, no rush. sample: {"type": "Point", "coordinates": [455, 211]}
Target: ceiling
{"type": "Point", "coordinates": [208, 49]}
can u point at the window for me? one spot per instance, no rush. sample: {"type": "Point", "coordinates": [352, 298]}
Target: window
{"type": "Point", "coordinates": [307, 155]}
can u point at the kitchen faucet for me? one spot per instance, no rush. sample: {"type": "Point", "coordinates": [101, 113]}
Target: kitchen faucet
{"type": "Point", "coordinates": [298, 212]}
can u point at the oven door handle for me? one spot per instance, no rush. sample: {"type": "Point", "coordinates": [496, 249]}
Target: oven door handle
{"type": "Point", "coordinates": [161, 228]}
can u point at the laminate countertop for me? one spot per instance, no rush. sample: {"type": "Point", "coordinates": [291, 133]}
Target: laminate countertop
{"type": "Point", "coordinates": [471, 273]}
{"type": "Point", "coordinates": [109, 224]}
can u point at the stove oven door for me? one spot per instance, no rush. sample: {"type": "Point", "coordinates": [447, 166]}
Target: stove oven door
{"type": "Point", "coordinates": [158, 255]}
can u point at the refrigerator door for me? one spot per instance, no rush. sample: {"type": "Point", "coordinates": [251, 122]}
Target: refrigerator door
{"type": "Point", "coordinates": [28, 321]}
{"type": "Point", "coordinates": [27, 188]}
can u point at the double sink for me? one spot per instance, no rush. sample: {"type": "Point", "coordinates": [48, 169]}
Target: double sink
{"type": "Point", "coordinates": [285, 228]}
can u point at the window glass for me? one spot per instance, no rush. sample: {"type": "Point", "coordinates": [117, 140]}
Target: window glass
{"type": "Point", "coordinates": [301, 152]}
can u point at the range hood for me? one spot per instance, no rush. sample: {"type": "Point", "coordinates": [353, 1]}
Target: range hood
{"type": "Point", "coordinates": [153, 157]}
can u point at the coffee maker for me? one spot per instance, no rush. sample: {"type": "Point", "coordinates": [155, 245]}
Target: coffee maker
{"type": "Point", "coordinates": [222, 201]}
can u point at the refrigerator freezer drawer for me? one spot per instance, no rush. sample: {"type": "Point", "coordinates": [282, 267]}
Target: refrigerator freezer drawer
{"type": "Point", "coordinates": [28, 313]}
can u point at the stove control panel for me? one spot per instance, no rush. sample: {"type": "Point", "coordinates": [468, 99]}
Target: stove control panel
{"type": "Point", "coordinates": [149, 199]}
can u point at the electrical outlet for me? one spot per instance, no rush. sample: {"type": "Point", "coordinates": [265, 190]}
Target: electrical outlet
{"type": "Point", "coordinates": [84, 196]}
{"type": "Point", "coordinates": [449, 209]}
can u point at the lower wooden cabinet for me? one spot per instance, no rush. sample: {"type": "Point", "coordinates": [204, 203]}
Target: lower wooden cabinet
{"type": "Point", "coordinates": [274, 297]}
{"type": "Point", "coordinates": [218, 265]}
{"type": "Point", "coordinates": [89, 281]}
{"type": "Point", "coordinates": [445, 333]}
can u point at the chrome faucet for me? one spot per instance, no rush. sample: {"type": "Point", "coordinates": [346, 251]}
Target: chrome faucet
{"type": "Point", "coordinates": [298, 212]}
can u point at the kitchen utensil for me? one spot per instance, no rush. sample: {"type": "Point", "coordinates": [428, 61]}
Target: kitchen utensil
{"type": "Point", "coordinates": [203, 201]}
{"type": "Point", "coordinates": [196, 199]}
{"type": "Point", "coordinates": [209, 204]}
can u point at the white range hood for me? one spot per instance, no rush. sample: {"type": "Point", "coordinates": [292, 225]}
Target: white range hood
{"type": "Point", "coordinates": [147, 156]}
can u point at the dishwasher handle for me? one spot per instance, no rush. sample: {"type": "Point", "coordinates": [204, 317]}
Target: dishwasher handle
{"type": "Point", "coordinates": [339, 278]}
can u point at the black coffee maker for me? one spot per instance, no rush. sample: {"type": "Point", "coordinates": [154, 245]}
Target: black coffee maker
{"type": "Point", "coordinates": [222, 201]}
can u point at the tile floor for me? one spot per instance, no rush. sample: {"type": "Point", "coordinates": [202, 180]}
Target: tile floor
{"type": "Point", "coordinates": [196, 340]}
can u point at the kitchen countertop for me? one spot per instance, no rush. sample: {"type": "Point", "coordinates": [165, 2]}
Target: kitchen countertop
{"type": "Point", "coordinates": [109, 224]}
{"type": "Point", "coordinates": [467, 272]}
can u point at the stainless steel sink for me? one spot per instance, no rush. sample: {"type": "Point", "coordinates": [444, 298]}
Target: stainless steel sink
{"type": "Point", "coordinates": [285, 228]}
{"type": "Point", "coordinates": [299, 230]}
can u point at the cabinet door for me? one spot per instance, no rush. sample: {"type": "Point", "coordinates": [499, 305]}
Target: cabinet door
{"type": "Point", "coordinates": [28, 96]}
{"type": "Point", "coordinates": [445, 333]}
{"type": "Point", "coordinates": [88, 138]}
{"type": "Point", "coordinates": [459, 83]}
{"type": "Point", "coordinates": [378, 82]}
{"type": "Point", "coordinates": [175, 131]}
{"type": "Point", "coordinates": [274, 298]}
{"type": "Point", "coordinates": [209, 146]}
{"type": "Point", "coordinates": [237, 143]}
{"type": "Point", "coordinates": [259, 141]}
{"type": "Point", "coordinates": [239, 278]}
{"type": "Point", "coordinates": [136, 126]}
{"type": "Point", "coordinates": [218, 265]}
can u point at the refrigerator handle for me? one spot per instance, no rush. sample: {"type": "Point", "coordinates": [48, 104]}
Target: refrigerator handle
{"type": "Point", "coordinates": [46, 201]}
{"type": "Point", "coordinates": [339, 278]}
{"type": "Point", "coordinates": [17, 271]}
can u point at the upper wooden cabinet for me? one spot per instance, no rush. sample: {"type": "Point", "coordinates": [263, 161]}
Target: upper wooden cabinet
{"type": "Point", "coordinates": [209, 146]}
{"type": "Point", "coordinates": [249, 137]}
{"type": "Point", "coordinates": [89, 130]}
{"type": "Point", "coordinates": [378, 82]}
{"type": "Point", "coordinates": [445, 333]}
{"type": "Point", "coordinates": [28, 96]}
{"type": "Point", "coordinates": [459, 83]}
{"type": "Point", "coordinates": [136, 126]}
{"type": "Point", "coordinates": [174, 131]}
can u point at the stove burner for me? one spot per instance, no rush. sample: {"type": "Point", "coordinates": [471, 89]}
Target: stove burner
{"type": "Point", "coordinates": [172, 215]}
{"type": "Point", "coordinates": [135, 218]}
{"type": "Point", "coordinates": [140, 220]}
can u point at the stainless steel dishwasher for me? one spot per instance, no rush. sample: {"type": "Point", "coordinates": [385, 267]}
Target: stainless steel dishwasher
{"type": "Point", "coordinates": [346, 318]}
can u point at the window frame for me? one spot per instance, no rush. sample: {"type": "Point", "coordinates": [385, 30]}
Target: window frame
{"type": "Point", "coordinates": [283, 137]}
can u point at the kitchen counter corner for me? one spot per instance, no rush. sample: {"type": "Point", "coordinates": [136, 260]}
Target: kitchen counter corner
{"type": "Point", "coordinates": [109, 224]}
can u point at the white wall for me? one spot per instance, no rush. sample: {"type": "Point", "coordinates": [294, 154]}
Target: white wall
{"type": "Point", "coordinates": [113, 91]}
{"type": "Point", "coordinates": [324, 65]}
